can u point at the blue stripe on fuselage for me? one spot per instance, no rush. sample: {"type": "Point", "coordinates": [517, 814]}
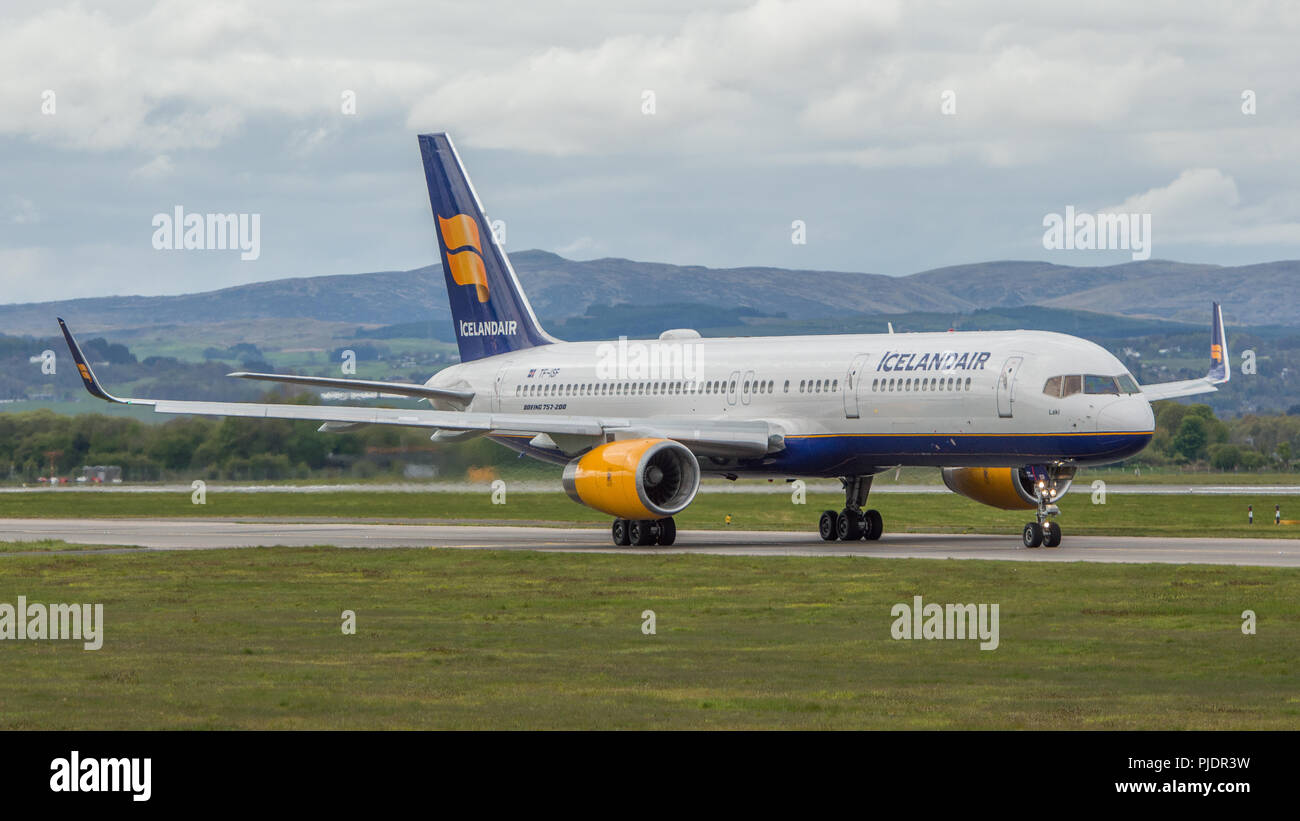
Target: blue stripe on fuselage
{"type": "Point", "coordinates": [850, 454]}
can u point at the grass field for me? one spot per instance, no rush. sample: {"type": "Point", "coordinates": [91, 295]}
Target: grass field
{"type": "Point", "coordinates": [46, 545]}
{"type": "Point", "coordinates": [1122, 515]}
{"type": "Point", "coordinates": [467, 639]}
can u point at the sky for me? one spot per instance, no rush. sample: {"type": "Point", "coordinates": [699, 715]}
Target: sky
{"type": "Point", "coordinates": [888, 137]}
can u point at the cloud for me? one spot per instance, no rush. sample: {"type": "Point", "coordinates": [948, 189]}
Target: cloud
{"type": "Point", "coordinates": [1204, 206]}
{"type": "Point", "coordinates": [21, 211]}
{"type": "Point", "coordinates": [578, 247]}
{"type": "Point", "coordinates": [159, 167]}
{"type": "Point", "coordinates": [765, 111]}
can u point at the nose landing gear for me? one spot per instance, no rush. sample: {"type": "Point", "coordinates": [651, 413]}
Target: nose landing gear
{"type": "Point", "coordinates": [1050, 483]}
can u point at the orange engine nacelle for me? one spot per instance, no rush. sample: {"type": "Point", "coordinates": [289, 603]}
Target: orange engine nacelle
{"type": "Point", "coordinates": [1006, 488]}
{"type": "Point", "coordinates": [635, 478]}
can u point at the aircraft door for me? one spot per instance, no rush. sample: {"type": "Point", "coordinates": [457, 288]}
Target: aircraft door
{"type": "Point", "coordinates": [500, 387]}
{"type": "Point", "coordinates": [1007, 385]}
{"type": "Point", "coordinates": [852, 382]}
{"type": "Point", "coordinates": [747, 387]}
{"type": "Point", "coordinates": [733, 384]}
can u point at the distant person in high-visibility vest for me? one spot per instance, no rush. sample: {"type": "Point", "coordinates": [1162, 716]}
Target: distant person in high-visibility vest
{"type": "Point", "coordinates": [727, 520]}
{"type": "Point", "coordinates": [1277, 514]}
{"type": "Point", "coordinates": [1250, 514]}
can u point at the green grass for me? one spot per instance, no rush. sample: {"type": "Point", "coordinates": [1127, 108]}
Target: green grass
{"type": "Point", "coordinates": [468, 639]}
{"type": "Point", "coordinates": [1122, 515]}
{"type": "Point", "coordinates": [46, 545]}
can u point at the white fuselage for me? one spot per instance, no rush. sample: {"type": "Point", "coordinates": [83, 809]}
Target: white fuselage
{"type": "Point", "coordinates": [844, 404]}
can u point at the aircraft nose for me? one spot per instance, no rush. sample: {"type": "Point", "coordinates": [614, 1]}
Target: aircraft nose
{"type": "Point", "coordinates": [1130, 414]}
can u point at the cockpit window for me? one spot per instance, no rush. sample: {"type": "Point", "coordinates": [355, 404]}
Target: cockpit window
{"type": "Point", "coordinates": [1092, 383]}
{"type": "Point", "coordinates": [1070, 384]}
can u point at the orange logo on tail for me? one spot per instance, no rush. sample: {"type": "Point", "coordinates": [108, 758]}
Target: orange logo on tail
{"type": "Point", "coordinates": [1216, 352]}
{"type": "Point", "coordinates": [461, 231]}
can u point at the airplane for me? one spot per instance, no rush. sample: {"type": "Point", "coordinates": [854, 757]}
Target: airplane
{"type": "Point", "coordinates": [1008, 417]}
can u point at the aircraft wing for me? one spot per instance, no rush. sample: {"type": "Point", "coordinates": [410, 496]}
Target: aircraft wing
{"type": "Point", "coordinates": [1220, 372]}
{"type": "Point", "coordinates": [396, 388]}
{"type": "Point", "coordinates": [740, 437]}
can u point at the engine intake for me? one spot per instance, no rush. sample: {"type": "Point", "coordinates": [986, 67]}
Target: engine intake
{"type": "Point", "coordinates": [635, 478]}
{"type": "Point", "coordinates": [1005, 488]}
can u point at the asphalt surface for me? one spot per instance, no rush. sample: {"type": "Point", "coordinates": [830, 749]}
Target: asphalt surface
{"type": "Point", "coordinates": [707, 487]}
{"type": "Point", "coordinates": [209, 534]}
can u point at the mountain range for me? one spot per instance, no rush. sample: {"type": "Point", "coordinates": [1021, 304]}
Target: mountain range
{"type": "Point", "coordinates": [559, 288]}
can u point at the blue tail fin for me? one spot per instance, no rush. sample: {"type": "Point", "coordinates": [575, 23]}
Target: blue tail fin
{"type": "Point", "coordinates": [488, 308]}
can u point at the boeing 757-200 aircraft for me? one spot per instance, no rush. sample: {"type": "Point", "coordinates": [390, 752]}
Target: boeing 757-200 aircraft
{"type": "Point", "coordinates": [1008, 416]}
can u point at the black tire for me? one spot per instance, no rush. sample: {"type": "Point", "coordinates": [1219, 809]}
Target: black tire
{"type": "Point", "coordinates": [1051, 534]}
{"type": "Point", "coordinates": [1033, 535]}
{"type": "Point", "coordinates": [641, 532]}
{"type": "Point", "coordinates": [874, 525]}
{"type": "Point", "coordinates": [667, 531]}
{"type": "Point", "coordinates": [826, 525]}
{"type": "Point", "coordinates": [620, 534]}
{"type": "Point", "coordinates": [848, 526]}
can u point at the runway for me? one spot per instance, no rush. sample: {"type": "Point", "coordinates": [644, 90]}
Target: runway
{"type": "Point", "coordinates": [210, 534]}
{"type": "Point", "coordinates": [706, 487]}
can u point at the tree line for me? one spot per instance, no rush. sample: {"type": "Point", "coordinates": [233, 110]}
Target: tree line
{"type": "Point", "coordinates": [34, 444]}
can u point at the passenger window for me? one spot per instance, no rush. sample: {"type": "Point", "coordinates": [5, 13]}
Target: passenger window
{"type": "Point", "coordinates": [968, 383]}
{"type": "Point", "coordinates": [787, 386]}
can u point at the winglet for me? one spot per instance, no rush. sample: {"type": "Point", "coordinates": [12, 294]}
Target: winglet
{"type": "Point", "coordinates": [83, 367]}
{"type": "Point", "coordinates": [1220, 371]}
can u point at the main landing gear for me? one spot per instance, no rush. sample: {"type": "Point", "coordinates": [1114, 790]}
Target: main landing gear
{"type": "Point", "coordinates": [1050, 483]}
{"type": "Point", "coordinates": [644, 532]}
{"type": "Point", "coordinates": [852, 523]}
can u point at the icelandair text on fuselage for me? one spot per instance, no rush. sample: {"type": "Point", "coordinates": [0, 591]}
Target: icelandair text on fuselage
{"type": "Point", "coordinates": [506, 327]}
{"type": "Point", "coordinates": [944, 361]}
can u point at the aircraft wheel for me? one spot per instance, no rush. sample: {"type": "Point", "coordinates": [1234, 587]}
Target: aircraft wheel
{"type": "Point", "coordinates": [667, 531]}
{"type": "Point", "coordinates": [620, 534]}
{"type": "Point", "coordinates": [1033, 535]}
{"type": "Point", "coordinates": [848, 526]}
{"type": "Point", "coordinates": [874, 525]}
{"type": "Point", "coordinates": [826, 527]}
{"type": "Point", "coordinates": [1051, 534]}
{"type": "Point", "coordinates": [641, 532]}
